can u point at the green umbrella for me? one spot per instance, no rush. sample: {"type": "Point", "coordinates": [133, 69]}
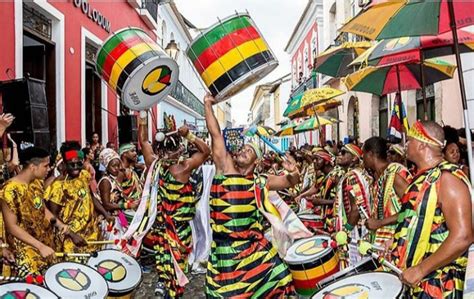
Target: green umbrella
{"type": "Point", "coordinates": [334, 61]}
{"type": "Point", "coordinates": [287, 130]}
{"type": "Point", "coordinates": [294, 104]}
{"type": "Point", "coordinates": [259, 130]}
{"type": "Point", "coordinates": [312, 123]}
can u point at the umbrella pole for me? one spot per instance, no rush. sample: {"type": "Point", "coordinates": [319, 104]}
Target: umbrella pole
{"type": "Point", "coordinates": [462, 88]}
{"type": "Point", "coordinates": [319, 124]}
{"type": "Point", "coordinates": [423, 85]}
{"type": "Point", "coordinates": [399, 93]}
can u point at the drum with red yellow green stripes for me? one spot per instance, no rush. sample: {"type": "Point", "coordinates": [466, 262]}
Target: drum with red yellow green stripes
{"type": "Point", "coordinates": [231, 55]}
{"type": "Point", "coordinates": [311, 260]}
{"type": "Point", "coordinates": [135, 67]}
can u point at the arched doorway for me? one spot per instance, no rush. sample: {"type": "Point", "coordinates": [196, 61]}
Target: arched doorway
{"type": "Point", "coordinates": [353, 117]}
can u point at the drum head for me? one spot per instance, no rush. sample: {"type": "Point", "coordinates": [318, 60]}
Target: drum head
{"type": "Point", "coordinates": [365, 285]}
{"type": "Point", "coordinates": [306, 250]}
{"type": "Point", "coordinates": [122, 272]}
{"type": "Point", "coordinates": [24, 290]}
{"type": "Point", "coordinates": [73, 280]}
{"type": "Point", "coordinates": [150, 83]}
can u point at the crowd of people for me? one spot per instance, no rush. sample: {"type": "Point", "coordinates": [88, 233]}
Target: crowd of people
{"type": "Point", "coordinates": [412, 203]}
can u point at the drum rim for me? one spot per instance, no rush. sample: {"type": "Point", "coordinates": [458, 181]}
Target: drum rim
{"type": "Point", "coordinates": [114, 34]}
{"type": "Point", "coordinates": [85, 265]}
{"type": "Point", "coordinates": [307, 214]}
{"type": "Point", "coordinates": [122, 291]}
{"type": "Point", "coordinates": [348, 270]}
{"type": "Point", "coordinates": [137, 69]}
{"type": "Point", "coordinates": [271, 63]}
{"type": "Point", "coordinates": [29, 286]}
{"type": "Point", "coordinates": [214, 25]}
{"type": "Point", "coordinates": [322, 253]}
{"type": "Point", "coordinates": [358, 274]}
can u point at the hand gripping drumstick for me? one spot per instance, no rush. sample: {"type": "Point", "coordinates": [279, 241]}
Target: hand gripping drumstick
{"type": "Point", "coordinates": [65, 254]}
{"type": "Point", "coordinates": [30, 279]}
{"type": "Point", "coordinates": [367, 248]}
{"type": "Point", "coordinates": [105, 242]}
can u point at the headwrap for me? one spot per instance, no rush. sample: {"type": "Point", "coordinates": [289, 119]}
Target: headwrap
{"type": "Point", "coordinates": [398, 149]}
{"type": "Point", "coordinates": [72, 154]}
{"type": "Point", "coordinates": [107, 155]}
{"type": "Point", "coordinates": [125, 148]}
{"type": "Point", "coordinates": [418, 132]}
{"type": "Point", "coordinates": [354, 150]}
{"type": "Point", "coordinates": [326, 156]}
{"type": "Point", "coordinates": [256, 149]}
{"type": "Point", "coordinates": [317, 149]}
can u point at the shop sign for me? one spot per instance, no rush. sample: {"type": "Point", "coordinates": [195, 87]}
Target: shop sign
{"type": "Point", "coordinates": [93, 14]}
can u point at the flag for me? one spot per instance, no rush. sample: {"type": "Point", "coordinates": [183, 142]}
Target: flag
{"type": "Point", "coordinates": [398, 121]}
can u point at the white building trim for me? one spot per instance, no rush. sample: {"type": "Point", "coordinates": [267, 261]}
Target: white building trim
{"type": "Point", "coordinates": [58, 37]}
{"type": "Point", "coordinates": [18, 39]}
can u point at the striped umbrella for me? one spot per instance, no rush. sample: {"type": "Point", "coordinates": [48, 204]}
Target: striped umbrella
{"type": "Point", "coordinates": [287, 130]}
{"type": "Point", "coordinates": [395, 78]}
{"type": "Point", "coordinates": [334, 61]}
{"type": "Point", "coordinates": [293, 105]}
{"type": "Point", "coordinates": [259, 130]}
{"type": "Point", "coordinates": [319, 108]}
{"type": "Point", "coordinates": [312, 123]}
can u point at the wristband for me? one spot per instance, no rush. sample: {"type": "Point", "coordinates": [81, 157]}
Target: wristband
{"type": "Point", "coordinates": [190, 137]}
{"type": "Point", "coordinates": [348, 227]}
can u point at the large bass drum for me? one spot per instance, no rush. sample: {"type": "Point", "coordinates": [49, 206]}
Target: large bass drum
{"type": "Point", "coordinates": [135, 67]}
{"type": "Point", "coordinates": [231, 55]}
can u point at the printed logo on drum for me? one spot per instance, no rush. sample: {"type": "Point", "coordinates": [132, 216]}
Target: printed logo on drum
{"type": "Point", "coordinates": [156, 80]}
{"type": "Point", "coordinates": [73, 279]}
{"type": "Point", "coordinates": [20, 295]}
{"type": "Point", "coordinates": [352, 291]}
{"type": "Point", "coordinates": [112, 271]}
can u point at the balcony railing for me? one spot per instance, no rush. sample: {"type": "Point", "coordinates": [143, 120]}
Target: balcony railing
{"type": "Point", "coordinates": [308, 84]}
{"type": "Point", "coordinates": [187, 98]}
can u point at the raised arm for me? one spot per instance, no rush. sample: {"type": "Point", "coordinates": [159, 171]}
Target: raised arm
{"type": "Point", "coordinates": [219, 152]}
{"type": "Point", "coordinates": [146, 147]}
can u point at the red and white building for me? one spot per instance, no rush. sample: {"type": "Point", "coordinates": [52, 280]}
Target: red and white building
{"type": "Point", "coordinates": [56, 41]}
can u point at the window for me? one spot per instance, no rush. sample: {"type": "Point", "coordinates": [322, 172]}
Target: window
{"type": "Point", "coordinates": [163, 34]}
{"type": "Point", "coordinates": [383, 116]}
{"type": "Point", "coordinates": [430, 104]}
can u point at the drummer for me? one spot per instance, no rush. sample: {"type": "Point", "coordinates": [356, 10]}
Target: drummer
{"type": "Point", "coordinates": [391, 181]}
{"type": "Point", "coordinates": [176, 204]}
{"type": "Point", "coordinates": [131, 185]}
{"type": "Point", "coordinates": [71, 201]}
{"type": "Point", "coordinates": [28, 222]}
{"type": "Point", "coordinates": [435, 228]}
{"type": "Point", "coordinates": [242, 262]}
{"type": "Point", "coordinates": [353, 202]}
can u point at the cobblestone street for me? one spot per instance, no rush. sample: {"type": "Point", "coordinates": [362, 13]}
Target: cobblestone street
{"type": "Point", "coordinates": [194, 290]}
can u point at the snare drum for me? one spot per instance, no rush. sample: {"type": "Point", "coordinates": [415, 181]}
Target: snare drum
{"type": "Point", "coordinates": [231, 55]}
{"type": "Point", "coordinates": [73, 280]}
{"type": "Point", "coordinates": [23, 290]}
{"type": "Point", "coordinates": [367, 264]}
{"type": "Point", "coordinates": [135, 67]}
{"type": "Point", "coordinates": [122, 272]}
{"type": "Point", "coordinates": [312, 221]}
{"type": "Point", "coordinates": [365, 285]}
{"type": "Point", "coordinates": [311, 260]}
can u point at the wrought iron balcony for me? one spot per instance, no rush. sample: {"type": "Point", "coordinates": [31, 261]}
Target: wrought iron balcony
{"type": "Point", "coordinates": [183, 95]}
{"type": "Point", "coordinates": [308, 84]}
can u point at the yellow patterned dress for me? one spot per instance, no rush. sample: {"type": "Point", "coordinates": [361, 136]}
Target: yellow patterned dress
{"type": "Point", "coordinates": [421, 230]}
{"type": "Point", "coordinates": [26, 202]}
{"type": "Point", "coordinates": [77, 209]}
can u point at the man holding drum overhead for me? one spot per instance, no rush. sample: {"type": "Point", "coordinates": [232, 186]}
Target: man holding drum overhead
{"type": "Point", "coordinates": [242, 262]}
{"type": "Point", "coordinates": [176, 203]}
{"type": "Point", "coordinates": [435, 226]}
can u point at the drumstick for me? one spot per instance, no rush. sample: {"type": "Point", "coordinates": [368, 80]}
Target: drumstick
{"type": "Point", "coordinates": [4, 245]}
{"type": "Point", "coordinates": [367, 248]}
{"type": "Point", "coordinates": [104, 242]}
{"type": "Point", "coordinates": [72, 254]}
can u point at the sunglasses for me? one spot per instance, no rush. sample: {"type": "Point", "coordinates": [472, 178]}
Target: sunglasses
{"type": "Point", "coordinates": [75, 165]}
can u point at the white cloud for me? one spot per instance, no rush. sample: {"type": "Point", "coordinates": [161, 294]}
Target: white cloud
{"type": "Point", "coordinates": [276, 20]}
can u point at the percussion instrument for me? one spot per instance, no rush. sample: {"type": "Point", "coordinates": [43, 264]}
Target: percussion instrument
{"type": "Point", "coordinates": [24, 290]}
{"type": "Point", "coordinates": [311, 260]}
{"type": "Point", "coordinates": [135, 67]}
{"type": "Point", "coordinates": [364, 285]}
{"type": "Point", "coordinates": [129, 214]}
{"type": "Point", "coordinates": [73, 280]}
{"type": "Point", "coordinates": [231, 55]}
{"type": "Point", "coordinates": [122, 272]}
{"type": "Point", "coordinates": [365, 265]}
{"type": "Point", "coordinates": [312, 221]}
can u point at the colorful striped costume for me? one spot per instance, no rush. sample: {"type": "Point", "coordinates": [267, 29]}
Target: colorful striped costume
{"type": "Point", "coordinates": [242, 264]}
{"type": "Point", "coordinates": [355, 184]}
{"type": "Point", "coordinates": [328, 191]}
{"type": "Point", "coordinates": [131, 185]}
{"type": "Point", "coordinates": [387, 203]}
{"type": "Point", "coordinates": [176, 207]}
{"type": "Point", "coordinates": [422, 229]}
